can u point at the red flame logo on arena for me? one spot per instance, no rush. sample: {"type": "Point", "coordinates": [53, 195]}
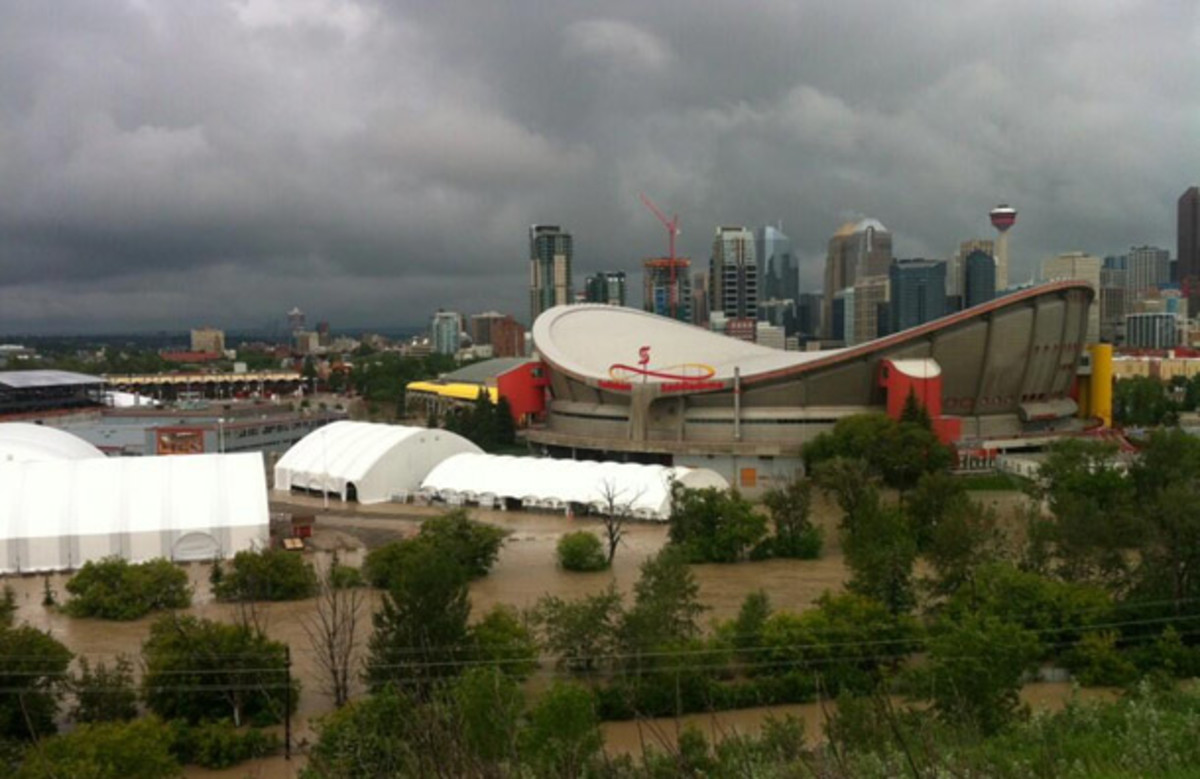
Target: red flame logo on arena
{"type": "Point", "coordinates": [686, 371]}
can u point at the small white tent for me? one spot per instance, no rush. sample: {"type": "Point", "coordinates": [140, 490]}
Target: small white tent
{"type": "Point", "coordinates": [543, 482]}
{"type": "Point", "coordinates": [364, 461]}
{"type": "Point", "coordinates": [22, 442]}
{"type": "Point", "coordinates": [57, 515]}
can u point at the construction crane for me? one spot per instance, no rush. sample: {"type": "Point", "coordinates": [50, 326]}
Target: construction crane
{"type": "Point", "coordinates": [672, 226]}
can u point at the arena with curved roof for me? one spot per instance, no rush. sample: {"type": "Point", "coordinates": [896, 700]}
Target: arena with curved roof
{"type": "Point", "coordinates": [628, 384]}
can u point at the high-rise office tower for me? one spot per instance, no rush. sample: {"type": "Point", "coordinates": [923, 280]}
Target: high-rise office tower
{"type": "Point", "coordinates": [1188, 258]}
{"type": "Point", "coordinates": [979, 278]}
{"type": "Point", "coordinates": [1115, 296]}
{"type": "Point", "coordinates": [550, 252]}
{"type": "Point", "coordinates": [778, 276]}
{"type": "Point", "coordinates": [869, 299]}
{"type": "Point", "coordinates": [857, 250]}
{"type": "Point", "coordinates": [956, 268]}
{"type": "Point", "coordinates": [917, 293]}
{"type": "Point", "coordinates": [606, 287]}
{"type": "Point", "coordinates": [733, 275]}
{"type": "Point", "coordinates": [1084, 267]}
{"type": "Point", "coordinates": [444, 332]}
{"type": "Point", "coordinates": [1148, 268]}
{"type": "Point", "coordinates": [667, 286]}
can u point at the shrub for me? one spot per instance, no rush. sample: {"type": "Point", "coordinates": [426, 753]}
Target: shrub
{"type": "Point", "coordinates": [220, 744]}
{"type": "Point", "coordinates": [581, 551]}
{"type": "Point", "coordinates": [1096, 661]}
{"type": "Point", "coordinates": [110, 750]}
{"type": "Point", "coordinates": [115, 589]}
{"type": "Point", "coordinates": [474, 546]}
{"type": "Point", "coordinates": [345, 577]}
{"type": "Point", "coordinates": [268, 575]}
{"type": "Point", "coordinates": [501, 638]}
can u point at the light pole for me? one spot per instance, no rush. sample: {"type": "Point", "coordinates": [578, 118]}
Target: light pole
{"type": "Point", "coordinates": [324, 467]}
{"type": "Point", "coordinates": [221, 435]}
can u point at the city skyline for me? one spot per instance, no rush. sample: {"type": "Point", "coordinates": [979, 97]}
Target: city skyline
{"type": "Point", "coordinates": [164, 165]}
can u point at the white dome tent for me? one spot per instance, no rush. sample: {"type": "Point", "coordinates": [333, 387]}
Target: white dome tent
{"type": "Point", "coordinates": [22, 442]}
{"type": "Point", "coordinates": [542, 482]}
{"type": "Point", "coordinates": [366, 462]}
{"type": "Point", "coordinates": [58, 514]}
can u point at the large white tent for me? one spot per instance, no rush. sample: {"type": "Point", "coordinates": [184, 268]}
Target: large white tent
{"type": "Point", "coordinates": [22, 442]}
{"type": "Point", "coordinates": [58, 514]}
{"type": "Point", "coordinates": [364, 461]}
{"type": "Point", "coordinates": [542, 482]}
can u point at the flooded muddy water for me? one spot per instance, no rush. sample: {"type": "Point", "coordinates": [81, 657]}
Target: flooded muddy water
{"type": "Point", "coordinates": [525, 571]}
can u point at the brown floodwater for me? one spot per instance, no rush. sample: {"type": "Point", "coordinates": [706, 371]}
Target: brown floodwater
{"type": "Point", "coordinates": [525, 571]}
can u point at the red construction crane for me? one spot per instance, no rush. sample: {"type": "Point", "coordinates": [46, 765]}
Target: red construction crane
{"type": "Point", "coordinates": [672, 226]}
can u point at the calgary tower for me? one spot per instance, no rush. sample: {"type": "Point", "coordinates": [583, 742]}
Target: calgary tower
{"type": "Point", "coordinates": [1003, 217]}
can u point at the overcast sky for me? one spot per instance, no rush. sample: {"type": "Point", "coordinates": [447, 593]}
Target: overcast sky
{"type": "Point", "coordinates": [171, 163]}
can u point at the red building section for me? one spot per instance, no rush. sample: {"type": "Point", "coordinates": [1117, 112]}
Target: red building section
{"type": "Point", "coordinates": [524, 387]}
{"type": "Point", "coordinates": [922, 379]}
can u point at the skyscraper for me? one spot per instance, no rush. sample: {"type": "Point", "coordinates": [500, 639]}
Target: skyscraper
{"type": "Point", "coordinates": [1188, 258]}
{"type": "Point", "coordinates": [778, 278]}
{"type": "Point", "coordinates": [658, 291]}
{"type": "Point", "coordinates": [979, 278]}
{"type": "Point", "coordinates": [856, 250]}
{"type": "Point", "coordinates": [918, 293]}
{"type": "Point", "coordinates": [733, 275]}
{"type": "Point", "coordinates": [444, 332]}
{"type": "Point", "coordinates": [550, 252]}
{"type": "Point", "coordinates": [956, 269]}
{"type": "Point", "coordinates": [606, 287]}
{"type": "Point", "coordinates": [1148, 268]}
{"type": "Point", "coordinates": [1084, 267]}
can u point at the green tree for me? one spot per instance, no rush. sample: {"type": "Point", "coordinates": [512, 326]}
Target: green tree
{"type": "Point", "coordinates": [898, 452]}
{"type": "Point", "coordinates": [965, 538]}
{"type": "Point", "coordinates": [563, 733]}
{"type": "Point", "coordinates": [581, 551]}
{"type": "Point", "coordinates": [745, 632]}
{"type": "Point", "coordinates": [33, 677]}
{"type": "Point", "coordinates": [474, 546]}
{"type": "Point", "coordinates": [666, 604]}
{"type": "Point", "coordinates": [845, 640]}
{"type": "Point", "coordinates": [582, 631]}
{"type": "Point", "coordinates": [267, 575]}
{"type": "Point", "coordinates": [1092, 513]}
{"type": "Point", "coordinates": [504, 640]}
{"type": "Point", "coordinates": [111, 750]}
{"type": "Point", "coordinates": [1141, 401]}
{"type": "Point", "coordinates": [975, 668]}
{"type": "Point", "coordinates": [421, 632]}
{"type": "Point", "coordinates": [487, 706]}
{"type": "Point", "coordinates": [712, 525]}
{"type": "Point", "coordinates": [8, 607]}
{"type": "Point", "coordinates": [849, 480]}
{"type": "Point", "coordinates": [795, 535]}
{"type": "Point", "coordinates": [103, 693]}
{"type": "Point", "coordinates": [112, 588]}
{"type": "Point", "coordinates": [197, 669]}
{"type": "Point", "coordinates": [880, 551]}
{"type": "Point", "coordinates": [506, 427]}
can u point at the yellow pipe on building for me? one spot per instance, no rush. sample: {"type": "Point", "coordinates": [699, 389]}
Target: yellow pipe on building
{"type": "Point", "coordinates": [1100, 391]}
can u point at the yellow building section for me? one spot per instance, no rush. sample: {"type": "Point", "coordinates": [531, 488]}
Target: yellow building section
{"type": "Point", "coordinates": [1100, 392]}
{"type": "Point", "coordinates": [453, 390]}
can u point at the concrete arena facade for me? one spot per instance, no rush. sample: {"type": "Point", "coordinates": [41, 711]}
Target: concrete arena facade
{"type": "Point", "coordinates": [626, 381]}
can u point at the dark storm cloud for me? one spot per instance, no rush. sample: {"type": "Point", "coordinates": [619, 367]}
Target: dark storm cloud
{"type": "Point", "coordinates": [169, 163]}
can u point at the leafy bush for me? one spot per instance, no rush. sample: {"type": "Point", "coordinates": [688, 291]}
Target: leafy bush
{"type": "Point", "coordinates": [474, 546]}
{"type": "Point", "coordinates": [110, 750]}
{"type": "Point", "coordinates": [1096, 661]}
{"type": "Point", "coordinates": [115, 589]}
{"type": "Point", "coordinates": [345, 577]}
{"type": "Point", "coordinates": [795, 536]}
{"type": "Point", "coordinates": [581, 551]}
{"type": "Point", "coordinates": [267, 575]}
{"type": "Point", "coordinates": [220, 744]}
